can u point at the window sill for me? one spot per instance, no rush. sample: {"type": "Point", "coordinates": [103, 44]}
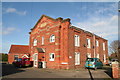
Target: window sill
{"type": "Point", "coordinates": [88, 47]}
{"type": "Point", "coordinates": [34, 46]}
{"type": "Point", "coordinates": [51, 60]}
{"type": "Point", "coordinates": [52, 43]}
{"type": "Point", "coordinates": [77, 64]}
{"type": "Point", "coordinates": [77, 46]}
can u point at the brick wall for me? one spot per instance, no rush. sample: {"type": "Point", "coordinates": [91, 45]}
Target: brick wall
{"type": "Point", "coordinates": [119, 72]}
{"type": "Point", "coordinates": [11, 57]}
{"type": "Point", "coordinates": [52, 27]}
{"type": "Point", "coordinates": [83, 50]}
{"type": "Point", "coordinates": [115, 70]}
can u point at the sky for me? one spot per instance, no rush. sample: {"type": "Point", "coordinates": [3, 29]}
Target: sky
{"type": "Point", "coordinates": [18, 18]}
{"type": "Point", "coordinates": [60, 0]}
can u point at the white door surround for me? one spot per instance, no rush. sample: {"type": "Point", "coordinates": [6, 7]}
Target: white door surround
{"type": "Point", "coordinates": [35, 59]}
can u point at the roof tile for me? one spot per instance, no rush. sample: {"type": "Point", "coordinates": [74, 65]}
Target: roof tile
{"type": "Point", "coordinates": [23, 49]}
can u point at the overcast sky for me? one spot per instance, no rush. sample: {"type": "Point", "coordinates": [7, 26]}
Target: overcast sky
{"type": "Point", "coordinates": [100, 18]}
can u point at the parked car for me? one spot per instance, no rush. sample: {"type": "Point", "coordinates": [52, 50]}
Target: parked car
{"type": "Point", "coordinates": [93, 63]}
{"type": "Point", "coordinates": [112, 60]}
{"type": "Point", "coordinates": [22, 62]}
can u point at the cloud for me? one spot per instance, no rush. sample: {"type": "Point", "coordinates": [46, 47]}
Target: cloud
{"type": "Point", "coordinates": [103, 9]}
{"type": "Point", "coordinates": [104, 22]}
{"type": "Point", "coordinates": [13, 10]}
{"type": "Point", "coordinates": [104, 27]}
{"type": "Point", "coordinates": [5, 47]}
{"type": "Point", "coordinates": [10, 10]}
{"type": "Point", "coordinates": [8, 30]}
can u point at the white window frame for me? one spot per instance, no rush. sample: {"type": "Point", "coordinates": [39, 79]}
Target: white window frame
{"type": "Point", "coordinates": [98, 56]}
{"type": "Point", "coordinates": [51, 57]}
{"type": "Point", "coordinates": [35, 42]}
{"type": "Point", "coordinates": [97, 43]}
{"type": "Point", "coordinates": [103, 46]}
{"type": "Point", "coordinates": [52, 38]}
{"type": "Point", "coordinates": [77, 40]}
{"type": "Point", "coordinates": [104, 58]}
{"type": "Point", "coordinates": [88, 43]}
{"type": "Point", "coordinates": [88, 55]}
{"type": "Point", "coordinates": [77, 58]}
{"type": "Point", "coordinates": [42, 40]}
{"type": "Point", "coordinates": [16, 57]}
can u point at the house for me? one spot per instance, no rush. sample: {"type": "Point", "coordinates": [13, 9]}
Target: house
{"type": "Point", "coordinates": [18, 51]}
{"type": "Point", "coordinates": [113, 56]}
{"type": "Point", "coordinates": [59, 45]}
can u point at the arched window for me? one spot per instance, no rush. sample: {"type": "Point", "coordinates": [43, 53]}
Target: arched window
{"type": "Point", "coordinates": [52, 56]}
{"type": "Point", "coordinates": [52, 38]}
{"type": "Point", "coordinates": [35, 42]}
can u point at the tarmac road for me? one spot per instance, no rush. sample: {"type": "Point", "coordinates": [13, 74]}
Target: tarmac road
{"type": "Point", "coordinates": [9, 71]}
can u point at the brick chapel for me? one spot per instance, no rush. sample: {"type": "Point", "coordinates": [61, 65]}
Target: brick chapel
{"type": "Point", "coordinates": [59, 45]}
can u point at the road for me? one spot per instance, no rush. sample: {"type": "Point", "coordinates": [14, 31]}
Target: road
{"type": "Point", "coordinates": [9, 71]}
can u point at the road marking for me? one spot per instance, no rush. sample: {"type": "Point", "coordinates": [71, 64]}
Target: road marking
{"type": "Point", "coordinates": [90, 74]}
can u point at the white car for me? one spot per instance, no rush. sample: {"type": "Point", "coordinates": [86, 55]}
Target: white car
{"type": "Point", "coordinates": [112, 60]}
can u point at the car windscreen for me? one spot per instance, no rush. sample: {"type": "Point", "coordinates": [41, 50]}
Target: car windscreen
{"type": "Point", "coordinates": [26, 59]}
{"type": "Point", "coordinates": [90, 59]}
{"type": "Point", "coordinates": [20, 59]}
{"type": "Point", "coordinates": [113, 60]}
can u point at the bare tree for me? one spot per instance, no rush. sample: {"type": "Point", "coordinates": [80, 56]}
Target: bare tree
{"type": "Point", "coordinates": [115, 48]}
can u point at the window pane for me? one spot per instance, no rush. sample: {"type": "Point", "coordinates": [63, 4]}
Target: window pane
{"type": "Point", "coordinates": [104, 58]}
{"type": "Point", "coordinates": [88, 55]}
{"type": "Point", "coordinates": [97, 43]}
{"type": "Point", "coordinates": [103, 46]}
{"type": "Point", "coordinates": [42, 40]}
{"type": "Point", "coordinates": [77, 58]}
{"type": "Point", "coordinates": [20, 59]}
{"type": "Point", "coordinates": [15, 57]}
{"type": "Point", "coordinates": [52, 38]}
{"type": "Point", "coordinates": [88, 43]}
{"type": "Point", "coordinates": [52, 56]}
{"type": "Point", "coordinates": [35, 42]}
{"type": "Point", "coordinates": [77, 41]}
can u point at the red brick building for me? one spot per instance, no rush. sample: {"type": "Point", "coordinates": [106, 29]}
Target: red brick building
{"type": "Point", "coordinates": [18, 51]}
{"type": "Point", "coordinates": [62, 46]}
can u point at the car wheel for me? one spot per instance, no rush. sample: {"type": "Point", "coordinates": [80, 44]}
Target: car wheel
{"type": "Point", "coordinates": [101, 68]}
{"type": "Point", "coordinates": [20, 66]}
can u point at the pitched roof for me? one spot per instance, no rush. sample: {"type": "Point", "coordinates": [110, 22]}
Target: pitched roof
{"type": "Point", "coordinates": [63, 20]}
{"type": "Point", "coordinates": [23, 49]}
{"type": "Point", "coordinates": [40, 50]}
{"type": "Point", "coordinates": [59, 18]}
{"type": "Point", "coordinates": [79, 29]}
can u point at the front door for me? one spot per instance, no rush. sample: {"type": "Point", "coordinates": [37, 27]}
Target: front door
{"type": "Point", "coordinates": [35, 59]}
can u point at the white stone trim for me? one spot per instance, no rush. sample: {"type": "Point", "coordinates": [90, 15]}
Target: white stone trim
{"type": "Point", "coordinates": [64, 63]}
{"type": "Point", "coordinates": [25, 56]}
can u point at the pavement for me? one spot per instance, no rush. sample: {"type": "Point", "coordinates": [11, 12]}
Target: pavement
{"type": "Point", "coordinates": [9, 71]}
